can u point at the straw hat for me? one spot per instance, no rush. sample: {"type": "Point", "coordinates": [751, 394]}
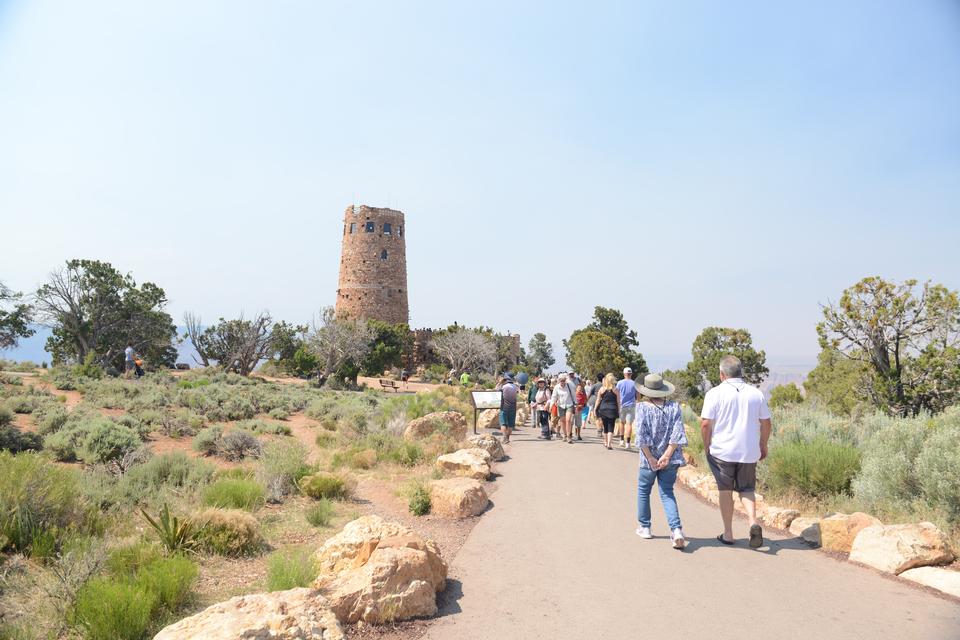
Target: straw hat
{"type": "Point", "coordinates": [654, 386]}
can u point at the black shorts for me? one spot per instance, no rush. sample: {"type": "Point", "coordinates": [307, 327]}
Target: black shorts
{"type": "Point", "coordinates": [608, 424]}
{"type": "Point", "coordinates": [733, 476]}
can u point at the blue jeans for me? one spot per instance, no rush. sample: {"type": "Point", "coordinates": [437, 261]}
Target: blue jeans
{"type": "Point", "coordinates": [665, 479]}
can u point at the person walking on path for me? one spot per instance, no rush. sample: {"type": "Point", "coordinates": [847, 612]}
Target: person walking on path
{"type": "Point", "coordinates": [591, 402]}
{"type": "Point", "coordinates": [508, 406]}
{"type": "Point", "coordinates": [660, 438]}
{"type": "Point", "coordinates": [627, 390]}
{"type": "Point", "coordinates": [607, 407]}
{"type": "Point", "coordinates": [564, 398]}
{"type": "Point", "coordinates": [541, 405]}
{"type": "Point", "coordinates": [129, 361]}
{"type": "Point", "coordinates": [581, 409]}
{"type": "Point", "coordinates": [735, 425]}
{"type": "Point", "coordinates": [532, 402]}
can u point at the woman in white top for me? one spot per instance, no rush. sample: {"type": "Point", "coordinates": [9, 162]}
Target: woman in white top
{"type": "Point", "coordinates": [563, 399]}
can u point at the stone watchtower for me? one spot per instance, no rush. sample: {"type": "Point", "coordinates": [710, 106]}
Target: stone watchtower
{"type": "Point", "coordinates": [373, 266]}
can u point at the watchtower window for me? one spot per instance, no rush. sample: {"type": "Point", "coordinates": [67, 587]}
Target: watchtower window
{"type": "Point", "coordinates": [383, 254]}
{"type": "Point", "coordinates": [353, 228]}
{"type": "Point", "coordinates": [400, 230]}
{"type": "Point", "coordinates": [386, 229]}
{"type": "Point", "coordinates": [371, 227]}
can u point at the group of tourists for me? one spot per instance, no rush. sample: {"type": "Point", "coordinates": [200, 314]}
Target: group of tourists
{"type": "Point", "coordinates": [734, 424]}
{"type": "Point", "coordinates": [564, 404]}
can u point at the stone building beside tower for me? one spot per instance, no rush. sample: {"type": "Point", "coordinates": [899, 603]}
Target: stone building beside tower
{"type": "Point", "coordinates": [373, 266]}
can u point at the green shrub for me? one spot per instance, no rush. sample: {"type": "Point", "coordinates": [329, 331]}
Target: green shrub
{"type": "Point", "coordinates": [888, 473]}
{"type": "Point", "coordinates": [419, 503]}
{"type": "Point", "coordinates": [282, 465]}
{"type": "Point", "coordinates": [169, 579]}
{"type": "Point", "coordinates": [290, 569]}
{"type": "Point", "coordinates": [208, 440]}
{"type": "Point", "coordinates": [37, 496]}
{"type": "Point", "coordinates": [938, 467]}
{"type": "Point", "coordinates": [325, 439]}
{"type": "Point", "coordinates": [265, 426]}
{"type": "Point", "coordinates": [92, 439]}
{"type": "Point", "coordinates": [279, 413]}
{"type": "Point", "coordinates": [407, 454]}
{"type": "Point", "coordinates": [238, 445]}
{"type": "Point", "coordinates": [6, 416]}
{"type": "Point", "coordinates": [234, 493]}
{"type": "Point", "coordinates": [355, 458]}
{"type": "Point", "coordinates": [174, 470]}
{"type": "Point", "coordinates": [23, 403]}
{"type": "Point", "coordinates": [15, 441]}
{"type": "Point", "coordinates": [228, 532]}
{"type": "Point", "coordinates": [324, 485]}
{"type": "Point", "coordinates": [321, 513]}
{"type": "Point", "coordinates": [127, 560]}
{"type": "Point", "coordinates": [114, 610]}
{"type": "Point", "coordinates": [818, 467]}
{"type": "Point", "coordinates": [52, 420]}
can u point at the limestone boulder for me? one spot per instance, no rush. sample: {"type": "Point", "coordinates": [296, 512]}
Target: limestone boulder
{"type": "Point", "coordinates": [937, 578]}
{"type": "Point", "coordinates": [780, 518]}
{"type": "Point", "coordinates": [838, 531]}
{"type": "Point", "coordinates": [376, 571]}
{"type": "Point", "coordinates": [458, 497]}
{"type": "Point", "coordinates": [895, 548]}
{"type": "Point", "coordinates": [806, 528]}
{"type": "Point", "coordinates": [472, 463]}
{"type": "Point", "coordinates": [450, 423]}
{"type": "Point", "coordinates": [488, 419]}
{"type": "Point", "coordinates": [490, 444]}
{"type": "Point", "coordinates": [688, 475]}
{"type": "Point", "coordinates": [297, 614]}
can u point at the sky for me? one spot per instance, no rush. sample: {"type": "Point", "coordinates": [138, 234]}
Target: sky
{"type": "Point", "coordinates": [690, 163]}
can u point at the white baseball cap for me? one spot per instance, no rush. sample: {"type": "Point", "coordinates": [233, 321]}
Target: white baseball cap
{"type": "Point", "coordinates": [627, 370]}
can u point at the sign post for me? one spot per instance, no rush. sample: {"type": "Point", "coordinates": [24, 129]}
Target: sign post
{"type": "Point", "coordinates": [484, 400]}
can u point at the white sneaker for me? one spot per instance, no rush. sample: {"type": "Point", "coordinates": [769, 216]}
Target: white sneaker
{"type": "Point", "coordinates": [623, 444]}
{"type": "Point", "coordinates": [644, 532]}
{"type": "Point", "coordinates": [679, 542]}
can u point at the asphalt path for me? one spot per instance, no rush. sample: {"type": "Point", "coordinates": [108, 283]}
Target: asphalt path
{"type": "Point", "coordinates": [556, 557]}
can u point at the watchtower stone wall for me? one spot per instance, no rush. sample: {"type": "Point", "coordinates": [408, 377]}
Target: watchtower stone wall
{"type": "Point", "coordinates": [373, 266]}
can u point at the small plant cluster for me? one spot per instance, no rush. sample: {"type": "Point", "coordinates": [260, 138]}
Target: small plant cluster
{"type": "Point", "coordinates": [235, 445]}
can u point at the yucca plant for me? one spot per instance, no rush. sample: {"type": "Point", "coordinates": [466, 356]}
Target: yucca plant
{"type": "Point", "coordinates": [176, 534]}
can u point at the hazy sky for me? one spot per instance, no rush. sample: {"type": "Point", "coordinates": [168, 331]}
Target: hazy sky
{"type": "Point", "coordinates": [690, 163]}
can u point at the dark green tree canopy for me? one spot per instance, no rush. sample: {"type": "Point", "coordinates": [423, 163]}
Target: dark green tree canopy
{"type": "Point", "coordinates": [909, 337]}
{"type": "Point", "coordinates": [389, 344]}
{"type": "Point", "coordinates": [713, 344]}
{"type": "Point", "coordinates": [592, 352]}
{"type": "Point", "coordinates": [836, 383]}
{"type": "Point", "coordinates": [540, 354]}
{"type": "Point", "coordinates": [93, 308]}
{"type": "Point", "coordinates": [14, 318]}
{"type": "Point", "coordinates": [785, 394]}
{"type": "Point", "coordinates": [612, 324]}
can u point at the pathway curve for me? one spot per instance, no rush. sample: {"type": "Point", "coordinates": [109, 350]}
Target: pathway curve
{"type": "Point", "coordinates": [556, 557]}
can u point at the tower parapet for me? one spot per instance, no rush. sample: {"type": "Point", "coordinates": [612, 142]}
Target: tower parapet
{"type": "Point", "coordinates": [373, 266]}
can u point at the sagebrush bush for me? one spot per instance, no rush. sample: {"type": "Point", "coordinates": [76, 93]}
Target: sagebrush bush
{"type": "Point", "coordinates": [888, 473]}
{"type": "Point", "coordinates": [169, 579]}
{"type": "Point", "coordinates": [325, 485]}
{"type": "Point", "coordinates": [228, 532]}
{"type": "Point", "coordinates": [938, 467]}
{"type": "Point", "coordinates": [290, 569]}
{"type": "Point", "coordinates": [320, 514]}
{"type": "Point", "coordinates": [355, 458]}
{"type": "Point", "coordinates": [38, 498]}
{"type": "Point", "coordinates": [15, 441]}
{"type": "Point", "coordinates": [175, 470]}
{"type": "Point", "coordinates": [265, 426]}
{"type": "Point", "coordinates": [91, 439]}
{"type": "Point", "coordinates": [208, 440]}
{"type": "Point", "coordinates": [51, 420]}
{"type": "Point", "coordinates": [6, 416]}
{"type": "Point", "coordinates": [279, 413]}
{"type": "Point", "coordinates": [234, 493]}
{"type": "Point", "coordinates": [238, 445]}
{"type": "Point", "coordinates": [282, 464]}
{"type": "Point", "coordinates": [818, 467]}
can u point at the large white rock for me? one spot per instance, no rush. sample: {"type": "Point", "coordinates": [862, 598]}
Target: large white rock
{"type": "Point", "coordinates": [806, 528]}
{"type": "Point", "coordinates": [937, 578]}
{"type": "Point", "coordinates": [458, 497]}
{"type": "Point", "coordinates": [894, 548]}
{"type": "Point", "coordinates": [472, 463]}
{"type": "Point", "coordinates": [838, 531]}
{"type": "Point", "coordinates": [780, 518]}
{"type": "Point", "coordinates": [488, 443]}
{"type": "Point", "coordinates": [488, 419]}
{"type": "Point", "coordinates": [297, 614]}
{"type": "Point", "coordinates": [451, 423]}
{"type": "Point", "coordinates": [378, 571]}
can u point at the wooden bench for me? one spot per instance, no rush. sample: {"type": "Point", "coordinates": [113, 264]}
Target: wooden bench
{"type": "Point", "coordinates": [389, 384]}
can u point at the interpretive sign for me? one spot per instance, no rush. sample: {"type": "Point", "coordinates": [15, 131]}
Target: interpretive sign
{"type": "Point", "coordinates": [484, 400]}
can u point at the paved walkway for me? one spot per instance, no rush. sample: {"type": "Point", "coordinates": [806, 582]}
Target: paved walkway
{"type": "Point", "coordinates": [556, 557]}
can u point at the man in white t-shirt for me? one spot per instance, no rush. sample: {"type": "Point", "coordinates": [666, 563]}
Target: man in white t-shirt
{"type": "Point", "coordinates": [735, 424]}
